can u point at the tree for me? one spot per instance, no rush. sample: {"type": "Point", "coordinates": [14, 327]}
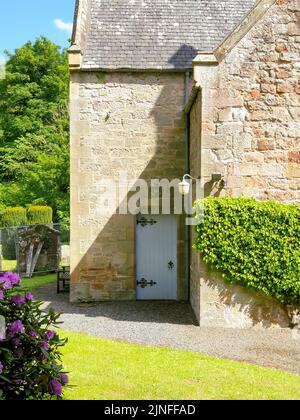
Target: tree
{"type": "Point", "coordinates": [34, 128]}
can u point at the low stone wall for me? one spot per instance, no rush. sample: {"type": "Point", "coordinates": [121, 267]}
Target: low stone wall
{"type": "Point", "coordinates": [219, 304]}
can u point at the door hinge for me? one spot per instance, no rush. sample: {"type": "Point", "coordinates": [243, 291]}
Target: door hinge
{"type": "Point", "coordinates": [143, 221]}
{"type": "Point", "coordinates": [144, 283]}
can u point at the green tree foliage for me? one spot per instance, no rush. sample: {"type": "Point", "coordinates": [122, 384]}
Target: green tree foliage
{"type": "Point", "coordinates": [255, 244]}
{"type": "Point", "coordinates": [34, 128]}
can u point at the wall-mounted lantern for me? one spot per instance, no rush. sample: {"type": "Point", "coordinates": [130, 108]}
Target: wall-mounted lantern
{"type": "Point", "coordinates": [184, 186]}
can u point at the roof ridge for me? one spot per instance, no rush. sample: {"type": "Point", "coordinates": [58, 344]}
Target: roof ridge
{"type": "Point", "coordinates": [255, 14]}
{"type": "Point", "coordinates": [152, 34]}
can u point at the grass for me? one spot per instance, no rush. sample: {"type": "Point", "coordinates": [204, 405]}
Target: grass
{"type": "Point", "coordinates": [106, 370]}
{"type": "Point", "coordinates": [8, 265]}
{"type": "Point", "coordinates": [38, 281]}
{"type": "Point", "coordinates": [30, 284]}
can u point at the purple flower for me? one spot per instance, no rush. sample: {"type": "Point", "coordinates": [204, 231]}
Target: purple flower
{"type": "Point", "coordinates": [44, 345]}
{"type": "Point", "coordinates": [32, 334]}
{"type": "Point", "coordinates": [64, 379]}
{"type": "Point", "coordinates": [15, 279]}
{"type": "Point", "coordinates": [16, 342]}
{"type": "Point", "coordinates": [15, 327]}
{"type": "Point", "coordinates": [50, 335]}
{"type": "Point", "coordinates": [55, 387]}
{"type": "Point", "coordinates": [29, 297]}
{"type": "Point", "coordinates": [17, 300]}
{"type": "Point", "coordinates": [5, 283]}
{"type": "Point", "coordinates": [1, 367]}
{"type": "Point", "coordinates": [9, 280]}
{"type": "Point", "coordinates": [1, 295]}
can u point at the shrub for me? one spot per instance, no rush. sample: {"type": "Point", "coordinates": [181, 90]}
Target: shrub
{"type": "Point", "coordinates": [11, 218]}
{"type": "Point", "coordinates": [38, 215]}
{"type": "Point", "coordinates": [8, 240]}
{"type": "Point", "coordinates": [30, 350]}
{"type": "Point", "coordinates": [255, 244]}
{"type": "Point", "coordinates": [14, 216]}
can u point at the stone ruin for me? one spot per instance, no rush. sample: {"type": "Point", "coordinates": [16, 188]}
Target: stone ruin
{"type": "Point", "coordinates": [37, 249]}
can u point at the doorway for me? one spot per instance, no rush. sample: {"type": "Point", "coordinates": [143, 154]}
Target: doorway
{"type": "Point", "coordinates": [156, 252]}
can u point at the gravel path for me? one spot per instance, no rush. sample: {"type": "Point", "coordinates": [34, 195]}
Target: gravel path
{"type": "Point", "coordinates": [171, 324]}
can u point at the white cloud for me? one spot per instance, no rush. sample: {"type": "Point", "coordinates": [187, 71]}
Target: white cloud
{"type": "Point", "coordinates": [63, 26]}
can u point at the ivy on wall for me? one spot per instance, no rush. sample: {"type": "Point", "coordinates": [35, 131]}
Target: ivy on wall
{"type": "Point", "coordinates": [254, 244]}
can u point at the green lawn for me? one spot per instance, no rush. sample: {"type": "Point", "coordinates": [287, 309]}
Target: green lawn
{"type": "Point", "coordinates": [30, 284]}
{"type": "Point", "coordinates": [8, 265]}
{"type": "Point", "coordinates": [38, 281]}
{"type": "Point", "coordinates": [105, 370]}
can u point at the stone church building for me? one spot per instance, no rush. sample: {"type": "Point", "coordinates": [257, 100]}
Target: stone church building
{"type": "Point", "coordinates": [164, 88]}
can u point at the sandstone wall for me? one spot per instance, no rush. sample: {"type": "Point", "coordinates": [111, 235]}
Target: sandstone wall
{"type": "Point", "coordinates": [250, 132]}
{"type": "Point", "coordinates": [119, 122]}
{"type": "Point", "coordinates": [251, 112]}
{"type": "Point", "coordinates": [219, 304]}
{"type": "Point", "coordinates": [195, 138]}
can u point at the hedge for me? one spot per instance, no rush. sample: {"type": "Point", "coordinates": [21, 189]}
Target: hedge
{"type": "Point", "coordinates": [11, 217]}
{"type": "Point", "coordinates": [14, 216]}
{"type": "Point", "coordinates": [255, 244]}
{"type": "Point", "coordinates": [38, 215]}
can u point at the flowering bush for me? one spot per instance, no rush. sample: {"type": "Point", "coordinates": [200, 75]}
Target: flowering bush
{"type": "Point", "coordinates": [29, 348]}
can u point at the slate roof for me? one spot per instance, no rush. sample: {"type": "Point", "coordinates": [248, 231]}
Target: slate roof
{"type": "Point", "coordinates": [157, 34]}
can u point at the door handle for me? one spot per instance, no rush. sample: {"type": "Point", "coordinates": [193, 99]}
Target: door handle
{"type": "Point", "coordinates": [171, 265]}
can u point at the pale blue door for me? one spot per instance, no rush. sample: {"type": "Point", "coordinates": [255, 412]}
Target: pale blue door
{"type": "Point", "coordinates": [156, 251]}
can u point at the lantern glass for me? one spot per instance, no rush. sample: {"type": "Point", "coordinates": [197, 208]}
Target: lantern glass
{"type": "Point", "coordinates": [184, 188]}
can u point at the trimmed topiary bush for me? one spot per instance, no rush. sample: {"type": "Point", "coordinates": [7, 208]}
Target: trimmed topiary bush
{"type": "Point", "coordinates": [11, 218]}
{"type": "Point", "coordinates": [30, 355]}
{"type": "Point", "coordinates": [255, 244]}
{"type": "Point", "coordinates": [14, 216]}
{"type": "Point", "coordinates": [39, 215]}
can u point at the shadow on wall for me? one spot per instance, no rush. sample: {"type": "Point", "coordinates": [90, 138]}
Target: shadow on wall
{"type": "Point", "coordinates": [210, 189]}
{"type": "Point", "coordinates": [137, 126]}
{"type": "Point", "coordinates": [183, 58]}
{"type": "Point", "coordinates": [230, 300]}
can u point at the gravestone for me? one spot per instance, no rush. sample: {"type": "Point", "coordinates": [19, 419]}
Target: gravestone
{"type": "Point", "coordinates": [38, 249]}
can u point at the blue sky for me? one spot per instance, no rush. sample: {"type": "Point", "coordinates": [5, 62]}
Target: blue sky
{"type": "Point", "coordinates": [23, 20]}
